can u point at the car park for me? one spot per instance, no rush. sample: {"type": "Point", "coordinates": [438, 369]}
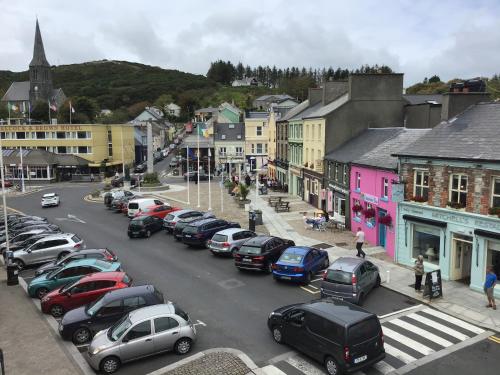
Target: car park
{"type": "Point", "coordinates": [82, 292]}
{"type": "Point", "coordinates": [199, 232]}
{"type": "Point", "coordinates": [341, 336]}
{"type": "Point", "coordinates": [48, 248]}
{"type": "Point", "coordinates": [227, 241]}
{"type": "Point", "coordinates": [350, 279]}
{"type": "Point", "coordinates": [172, 218]}
{"type": "Point", "coordinates": [103, 254]}
{"type": "Point", "coordinates": [159, 211]}
{"type": "Point", "coordinates": [50, 199]}
{"type": "Point", "coordinates": [137, 205]}
{"type": "Point", "coordinates": [259, 253]}
{"type": "Point", "coordinates": [144, 226]}
{"type": "Point", "coordinates": [69, 273]}
{"type": "Point", "coordinates": [300, 263]}
{"type": "Point", "coordinates": [143, 332]}
{"type": "Point", "coordinates": [82, 323]}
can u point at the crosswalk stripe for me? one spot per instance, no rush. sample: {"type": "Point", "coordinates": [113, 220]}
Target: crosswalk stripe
{"type": "Point", "coordinates": [304, 366]}
{"type": "Point", "coordinates": [395, 352]}
{"type": "Point", "coordinates": [425, 350]}
{"type": "Point", "coordinates": [438, 326]}
{"type": "Point", "coordinates": [383, 367]}
{"type": "Point", "coordinates": [454, 320]}
{"type": "Point", "coordinates": [422, 332]}
{"type": "Point", "coordinates": [272, 370]}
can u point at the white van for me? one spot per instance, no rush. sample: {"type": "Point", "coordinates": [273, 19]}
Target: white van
{"type": "Point", "coordinates": [137, 205]}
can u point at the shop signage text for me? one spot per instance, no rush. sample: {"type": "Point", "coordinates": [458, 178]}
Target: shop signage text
{"type": "Point", "coordinates": [369, 198]}
{"type": "Point", "coordinates": [17, 128]}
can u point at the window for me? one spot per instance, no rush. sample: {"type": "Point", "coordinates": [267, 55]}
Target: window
{"type": "Point", "coordinates": [139, 330]}
{"type": "Point", "coordinates": [132, 303]}
{"type": "Point", "coordinates": [239, 151]}
{"type": "Point", "coordinates": [421, 186]}
{"type": "Point", "coordinates": [82, 135]}
{"type": "Point", "coordinates": [20, 135]}
{"type": "Point", "coordinates": [253, 148]}
{"type": "Point", "coordinates": [345, 175]}
{"type": "Point", "coordinates": [231, 126]}
{"type": "Point", "coordinates": [313, 131]}
{"type": "Point", "coordinates": [265, 148]}
{"type": "Point", "coordinates": [111, 308]}
{"type": "Point", "coordinates": [357, 203]}
{"type": "Point", "coordinates": [385, 188]}
{"type": "Point", "coordinates": [259, 148]}
{"type": "Point", "coordinates": [458, 189]}
{"type": "Point", "coordinates": [495, 192]}
{"type": "Point", "coordinates": [336, 175]}
{"type": "Point", "coordinates": [40, 135]}
{"type": "Point", "coordinates": [222, 151]}
{"type": "Point", "coordinates": [358, 181]}
{"type": "Point", "coordinates": [223, 136]}
{"type": "Point", "coordinates": [61, 135]}
{"type": "Point", "coordinates": [259, 130]}
{"type": "Point", "coordinates": [61, 149]}
{"type": "Point", "coordinates": [110, 149]}
{"type": "Point", "coordinates": [110, 137]}
{"type": "Point", "coordinates": [426, 242]}
{"type": "Point", "coordinates": [164, 324]}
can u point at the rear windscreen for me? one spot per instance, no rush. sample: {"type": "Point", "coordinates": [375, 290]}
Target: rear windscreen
{"type": "Point", "coordinates": [190, 229]}
{"type": "Point", "coordinates": [362, 331]}
{"type": "Point", "coordinates": [219, 238]}
{"type": "Point", "coordinates": [180, 312]}
{"type": "Point", "coordinates": [75, 239]}
{"type": "Point", "coordinates": [159, 295]}
{"type": "Point", "coordinates": [291, 258]}
{"type": "Point", "coordinates": [250, 250]}
{"type": "Point", "coordinates": [133, 206]}
{"type": "Point", "coordinates": [169, 217]}
{"type": "Point", "coordinates": [339, 277]}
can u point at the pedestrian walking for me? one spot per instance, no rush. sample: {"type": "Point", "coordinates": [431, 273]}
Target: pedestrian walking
{"type": "Point", "coordinates": [91, 177]}
{"type": "Point", "coordinates": [419, 272]}
{"type": "Point", "coordinates": [489, 287]}
{"type": "Point", "coordinates": [248, 181]}
{"type": "Point", "coordinates": [360, 240]}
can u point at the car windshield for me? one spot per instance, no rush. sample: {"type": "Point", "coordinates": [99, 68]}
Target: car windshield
{"type": "Point", "coordinates": [136, 221]}
{"type": "Point", "coordinates": [291, 258]}
{"type": "Point", "coordinates": [94, 307]}
{"type": "Point", "coordinates": [219, 238]}
{"type": "Point", "coordinates": [169, 217]}
{"type": "Point", "coordinates": [250, 250]}
{"type": "Point", "coordinates": [119, 328]}
{"type": "Point", "coordinates": [339, 277]}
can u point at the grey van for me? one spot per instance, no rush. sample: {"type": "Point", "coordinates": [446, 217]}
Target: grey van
{"type": "Point", "coordinates": [350, 279]}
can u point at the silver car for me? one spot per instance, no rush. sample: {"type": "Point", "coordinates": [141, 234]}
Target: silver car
{"type": "Point", "coordinates": [47, 248]}
{"type": "Point", "coordinates": [227, 241]}
{"type": "Point", "coordinates": [141, 333]}
{"type": "Point", "coordinates": [172, 218]}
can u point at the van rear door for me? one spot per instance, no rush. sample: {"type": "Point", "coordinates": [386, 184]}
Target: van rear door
{"type": "Point", "coordinates": [365, 341]}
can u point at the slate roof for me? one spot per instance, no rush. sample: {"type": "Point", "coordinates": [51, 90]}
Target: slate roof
{"type": "Point", "coordinates": [39, 58]}
{"type": "Point", "coordinates": [231, 133]}
{"type": "Point", "coordinates": [330, 107]}
{"type": "Point", "coordinates": [256, 115]}
{"type": "Point", "coordinates": [295, 110]}
{"type": "Point", "coordinates": [381, 155]}
{"type": "Point", "coordinates": [272, 97]}
{"type": "Point", "coordinates": [306, 112]}
{"type": "Point", "coordinates": [415, 99]}
{"type": "Point", "coordinates": [18, 91]}
{"type": "Point", "coordinates": [41, 157]}
{"type": "Point", "coordinates": [207, 110]}
{"type": "Point", "coordinates": [472, 135]}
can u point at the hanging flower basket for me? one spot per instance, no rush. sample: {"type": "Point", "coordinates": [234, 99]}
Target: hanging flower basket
{"type": "Point", "coordinates": [369, 213]}
{"type": "Point", "coordinates": [357, 208]}
{"type": "Point", "coordinates": [419, 198]}
{"type": "Point", "coordinates": [385, 220]}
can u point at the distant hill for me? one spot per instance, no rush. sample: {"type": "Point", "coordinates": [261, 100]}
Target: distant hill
{"type": "Point", "coordinates": [439, 87]}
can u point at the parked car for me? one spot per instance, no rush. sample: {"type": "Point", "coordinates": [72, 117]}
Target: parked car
{"type": "Point", "coordinates": [144, 332]}
{"type": "Point", "coordinates": [165, 152]}
{"type": "Point", "coordinates": [82, 323]}
{"type": "Point", "coordinates": [191, 175]}
{"type": "Point", "coordinates": [25, 224]}
{"type": "Point", "coordinates": [35, 226]}
{"type": "Point", "coordinates": [82, 292]}
{"type": "Point", "coordinates": [7, 184]}
{"type": "Point", "coordinates": [103, 254]}
{"type": "Point", "coordinates": [199, 232]}
{"type": "Point", "coordinates": [144, 226]}
{"type": "Point", "coordinates": [48, 248]}
{"type": "Point", "coordinates": [227, 241]}
{"type": "Point", "coordinates": [27, 242]}
{"type": "Point", "coordinates": [160, 211]}
{"type": "Point", "coordinates": [69, 273]}
{"type": "Point", "coordinates": [108, 197]}
{"type": "Point", "coordinates": [136, 205]}
{"type": "Point", "coordinates": [300, 263]}
{"type": "Point", "coordinates": [117, 204]}
{"type": "Point", "coordinates": [50, 199]}
{"type": "Point", "coordinates": [20, 237]}
{"type": "Point", "coordinates": [181, 224]}
{"type": "Point", "coordinates": [350, 279]}
{"type": "Point", "coordinates": [172, 218]}
{"type": "Point", "coordinates": [259, 253]}
{"type": "Point", "coordinates": [172, 146]}
{"type": "Point", "coordinates": [340, 335]}
{"type": "Point", "coordinates": [173, 163]}
{"type": "Point", "coordinates": [141, 168]}
{"type": "Point", "coordinates": [117, 182]}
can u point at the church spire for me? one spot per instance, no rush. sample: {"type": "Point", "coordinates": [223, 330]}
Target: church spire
{"type": "Point", "coordinates": [39, 58]}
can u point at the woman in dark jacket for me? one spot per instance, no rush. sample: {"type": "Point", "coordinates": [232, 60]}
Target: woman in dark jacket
{"type": "Point", "coordinates": [419, 272]}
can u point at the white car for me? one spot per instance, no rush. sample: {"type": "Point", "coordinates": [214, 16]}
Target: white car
{"type": "Point", "coordinates": [51, 199]}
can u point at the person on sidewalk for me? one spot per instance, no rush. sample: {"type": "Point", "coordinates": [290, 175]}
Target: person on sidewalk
{"type": "Point", "coordinates": [489, 287]}
{"type": "Point", "coordinates": [360, 240]}
{"type": "Point", "coordinates": [419, 273]}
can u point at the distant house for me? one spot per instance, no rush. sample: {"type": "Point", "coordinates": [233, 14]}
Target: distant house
{"type": "Point", "coordinates": [247, 81]}
{"type": "Point", "coordinates": [173, 109]}
{"type": "Point", "coordinates": [228, 113]}
{"type": "Point", "coordinates": [106, 112]}
{"type": "Point", "coordinates": [160, 126]}
{"type": "Point", "coordinates": [266, 102]}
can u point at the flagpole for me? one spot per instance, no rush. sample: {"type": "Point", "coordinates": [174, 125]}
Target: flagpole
{"type": "Point", "coordinates": [29, 113]}
{"type": "Point", "coordinates": [3, 196]}
{"type": "Point", "coordinates": [71, 109]}
{"type": "Point", "coordinates": [187, 170]}
{"type": "Point", "coordinates": [198, 171]}
{"type": "Point", "coordinates": [50, 120]}
{"type": "Point", "coordinates": [22, 169]}
{"type": "Point", "coordinates": [8, 107]}
{"type": "Point", "coordinates": [221, 190]}
{"type": "Point", "coordinates": [209, 187]}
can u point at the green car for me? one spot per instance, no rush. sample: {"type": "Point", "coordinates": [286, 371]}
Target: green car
{"type": "Point", "coordinates": [69, 273]}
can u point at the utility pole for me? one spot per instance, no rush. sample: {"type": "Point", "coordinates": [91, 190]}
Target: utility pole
{"type": "Point", "coordinates": [150, 147]}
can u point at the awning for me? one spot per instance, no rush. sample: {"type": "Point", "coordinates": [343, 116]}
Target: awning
{"type": "Point", "coordinates": [423, 220]}
{"type": "Point", "coordinates": [485, 233]}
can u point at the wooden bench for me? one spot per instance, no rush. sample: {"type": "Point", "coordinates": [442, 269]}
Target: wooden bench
{"type": "Point", "coordinates": [274, 200]}
{"type": "Point", "coordinates": [282, 206]}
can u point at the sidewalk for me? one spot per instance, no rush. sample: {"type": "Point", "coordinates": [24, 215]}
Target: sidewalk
{"type": "Point", "coordinates": [458, 299]}
{"type": "Point", "coordinates": [26, 339]}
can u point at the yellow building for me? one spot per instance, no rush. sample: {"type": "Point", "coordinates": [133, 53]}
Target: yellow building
{"type": "Point", "coordinates": [271, 149]}
{"type": "Point", "coordinates": [313, 154]}
{"type": "Point", "coordinates": [256, 139]}
{"type": "Point", "coordinates": [96, 143]}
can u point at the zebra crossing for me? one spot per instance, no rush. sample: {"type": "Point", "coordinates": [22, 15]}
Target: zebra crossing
{"type": "Point", "coordinates": [408, 337]}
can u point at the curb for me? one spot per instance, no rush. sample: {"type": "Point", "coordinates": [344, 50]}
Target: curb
{"type": "Point", "coordinates": [238, 353]}
{"type": "Point", "coordinates": [88, 198]}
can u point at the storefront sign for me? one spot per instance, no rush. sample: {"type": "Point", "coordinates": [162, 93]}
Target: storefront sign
{"type": "Point", "coordinates": [398, 193]}
{"type": "Point", "coordinates": [433, 285]}
{"type": "Point", "coordinates": [34, 128]}
{"type": "Point", "coordinates": [369, 198]}
{"type": "Point", "coordinates": [339, 189]}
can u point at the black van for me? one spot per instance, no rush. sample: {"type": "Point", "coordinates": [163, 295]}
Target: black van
{"type": "Point", "coordinates": [342, 336]}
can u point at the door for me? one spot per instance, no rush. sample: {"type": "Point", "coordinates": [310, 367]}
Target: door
{"type": "Point", "coordinates": [107, 315]}
{"type": "Point", "coordinates": [293, 331]}
{"type": "Point", "coordinates": [55, 248]}
{"type": "Point", "coordinates": [166, 333]}
{"type": "Point", "coordinates": [382, 229]}
{"type": "Point", "coordinates": [137, 342]}
{"type": "Point", "coordinates": [461, 259]}
{"type": "Point", "coordinates": [37, 254]}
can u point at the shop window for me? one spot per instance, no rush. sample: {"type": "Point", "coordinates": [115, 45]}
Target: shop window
{"type": "Point", "coordinates": [370, 215]}
{"type": "Point", "coordinates": [493, 256]}
{"type": "Point", "coordinates": [357, 210]}
{"type": "Point", "coordinates": [495, 192]}
{"type": "Point", "coordinates": [426, 242]}
{"type": "Point", "coordinates": [458, 189]}
{"type": "Point", "coordinates": [421, 185]}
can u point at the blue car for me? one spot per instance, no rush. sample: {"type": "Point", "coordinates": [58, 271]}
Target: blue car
{"type": "Point", "coordinates": [300, 263]}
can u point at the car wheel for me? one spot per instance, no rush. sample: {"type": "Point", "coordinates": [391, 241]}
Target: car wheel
{"type": "Point", "coordinates": [277, 335]}
{"type": "Point", "coordinates": [206, 244]}
{"type": "Point", "coordinates": [20, 264]}
{"type": "Point", "coordinates": [62, 255]}
{"type": "Point", "coordinates": [41, 292]}
{"type": "Point", "coordinates": [331, 366]}
{"type": "Point", "coordinates": [148, 234]}
{"type": "Point", "coordinates": [378, 282]}
{"type": "Point", "coordinates": [326, 263]}
{"type": "Point", "coordinates": [269, 268]}
{"type": "Point", "coordinates": [109, 365]}
{"type": "Point", "coordinates": [81, 336]}
{"type": "Point", "coordinates": [361, 299]}
{"type": "Point", "coordinates": [183, 346]}
{"type": "Point", "coordinates": [308, 278]}
{"type": "Point", "coordinates": [57, 311]}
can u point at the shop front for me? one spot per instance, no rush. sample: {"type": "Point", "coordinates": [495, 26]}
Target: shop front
{"type": "Point", "coordinates": [337, 199]}
{"type": "Point", "coordinates": [313, 184]}
{"type": "Point", "coordinates": [295, 179]}
{"type": "Point", "coordinates": [461, 244]}
{"type": "Point", "coordinates": [282, 173]}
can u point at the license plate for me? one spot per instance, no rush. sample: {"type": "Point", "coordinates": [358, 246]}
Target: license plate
{"type": "Point", "coordinates": [187, 235]}
{"type": "Point", "coordinates": [360, 359]}
{"type": "Point", "coordinates": [135, 233]}
{"type": "Point", "coordinates": [286, 277]}
{"type": "Point", "coordinates": [247, 260]}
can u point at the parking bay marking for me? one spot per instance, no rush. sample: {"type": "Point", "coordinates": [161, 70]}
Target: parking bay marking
{"type": "Point", "coordinates": [494, 339]}
{"type": "Point", "coordinates": [71, 218]}
{"type": "Point", "coordinates": [309, 290]}
{"type": "Point", "coordinates": [199, 323]}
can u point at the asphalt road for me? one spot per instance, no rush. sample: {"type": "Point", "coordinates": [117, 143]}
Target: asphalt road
{"type": "Point", "coordinates": [232, 305]}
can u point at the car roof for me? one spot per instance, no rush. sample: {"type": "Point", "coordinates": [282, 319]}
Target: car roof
{"type": "Point", "coordinates": [300, 250]}
{"type": "Point", "coordinates": [58, 236]}
{"type": "Point", "coordinates": [347, 264]}
{"type": "Point", "coordinates": [91, 262]}
{"type": "Point", "coordinates": [151, 311]}
{"type": "Point", "coordinates": [139, 200]}
{"type": "Point", "coordinates": [49, 195]}
{"type": "Point", "coordinates": [89, 251]}
{"type": "Point", "coordinates": [197, 223]}
{"type": "Point", "coordinates": [258, 240]}
{"type": "Point", "coordinates": [180, 212]}
{"type": "Point", "coordinates": [232, 231]}
{"type": "Point", "coordinates": [338, 311]}
{"type": "Point", "coordinates": [129, 292]}
{"type": "Point", "coordinates": [118, 276]}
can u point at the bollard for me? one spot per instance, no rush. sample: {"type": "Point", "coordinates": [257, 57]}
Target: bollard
{"type": "Point", "coordinates": [388, 279]}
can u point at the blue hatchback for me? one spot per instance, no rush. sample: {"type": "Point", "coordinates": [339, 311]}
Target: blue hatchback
{"type": "Point", "coordinates": [300, 264]}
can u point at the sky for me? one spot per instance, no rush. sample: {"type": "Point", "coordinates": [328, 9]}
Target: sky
{"type": "Point", "coordinates": [450, 38]}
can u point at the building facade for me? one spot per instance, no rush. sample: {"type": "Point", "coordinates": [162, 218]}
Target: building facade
{"type": "Point", "coordinates": [282, 153]}
{"type": "Point", "coordinates": [271, 148]}
{"type": "Point", "coordinates": [256, 139]}
{"type": "Point", "coordinates": [229, 146]}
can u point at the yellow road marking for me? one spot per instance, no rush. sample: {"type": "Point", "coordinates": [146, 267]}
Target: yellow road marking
{"type": "Point", "coordinates": [495, 339]}
{"type": "Point", "coordinates": [309, 290]}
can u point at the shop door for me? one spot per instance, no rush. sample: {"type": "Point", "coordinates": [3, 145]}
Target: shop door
{"type": "Point", "coordinates": [461, 259]}
{"type": "Point", "coordinates": [382, 229]}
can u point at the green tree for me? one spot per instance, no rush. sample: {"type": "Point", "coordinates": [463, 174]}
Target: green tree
{"type": "Point", "coordinates": [40, 111]}
{"type": "Point", "coordinates": [434, 79]}
{"type": "Point", "coordinates": [162, 101]}
{"type": "Point", "coordinates": [136, 109]}
{"type": "Point", "coordinates": [4, 112]}
{"type": "Point", "coordinates": [222, 72]}
{"type": "Point", "coordinates": [119, 116]}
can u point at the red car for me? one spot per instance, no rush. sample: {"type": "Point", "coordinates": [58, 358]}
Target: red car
{"type": "Point", "coordinates": [160, 211]}
{"type": "Point", "coordinates": [83, 291]}
{"type": "Point", "coordinates": [7, 184]}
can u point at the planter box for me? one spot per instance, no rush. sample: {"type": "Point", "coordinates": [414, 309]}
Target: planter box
{"type": "Point", "coordinates": [241, 203]}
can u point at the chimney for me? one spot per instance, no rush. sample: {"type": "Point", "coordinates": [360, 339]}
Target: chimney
{"type": "Point", "coordinates": [457, 102]}
{"type": "Point", "coordinates": [333, 89]}
{"type": "Point", "coordinates": [315, 96]}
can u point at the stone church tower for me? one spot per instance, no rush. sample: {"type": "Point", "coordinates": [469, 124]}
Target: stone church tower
{"type": "Point", "coordinates": [40, 74]}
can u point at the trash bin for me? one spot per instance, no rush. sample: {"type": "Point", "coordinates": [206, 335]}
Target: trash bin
{"type": "Point", "coordinates": [258, 218]}
{"type": "Point", "coordinates": [12, 274]}
{"type": "Point", "coordinates": [251, 220]}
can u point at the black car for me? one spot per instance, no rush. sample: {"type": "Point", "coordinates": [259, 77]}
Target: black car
{"type": "Point", "coordinates": [42, 226]}
{"type": "Point", "coordinates": [198, 233]}
{"type": "Point", "coordinates": [81, 324]}
{"type": "Point", "coordinates": [117, 182]}
{"type": "Point", "coordinates": [117, 204]}
{"type": "Point", "coordinates": [342, 336]}
{"type": "Point", "coordinates": [144, 226]}
{"type": "Point", "coordinates": [181, 224]}
{"type": "Point", "coordinates": [104, 254]}
{"type": "Point", "coordinates": [259, 253]}
{"type": "Point", "coordinates": [140, 168]}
